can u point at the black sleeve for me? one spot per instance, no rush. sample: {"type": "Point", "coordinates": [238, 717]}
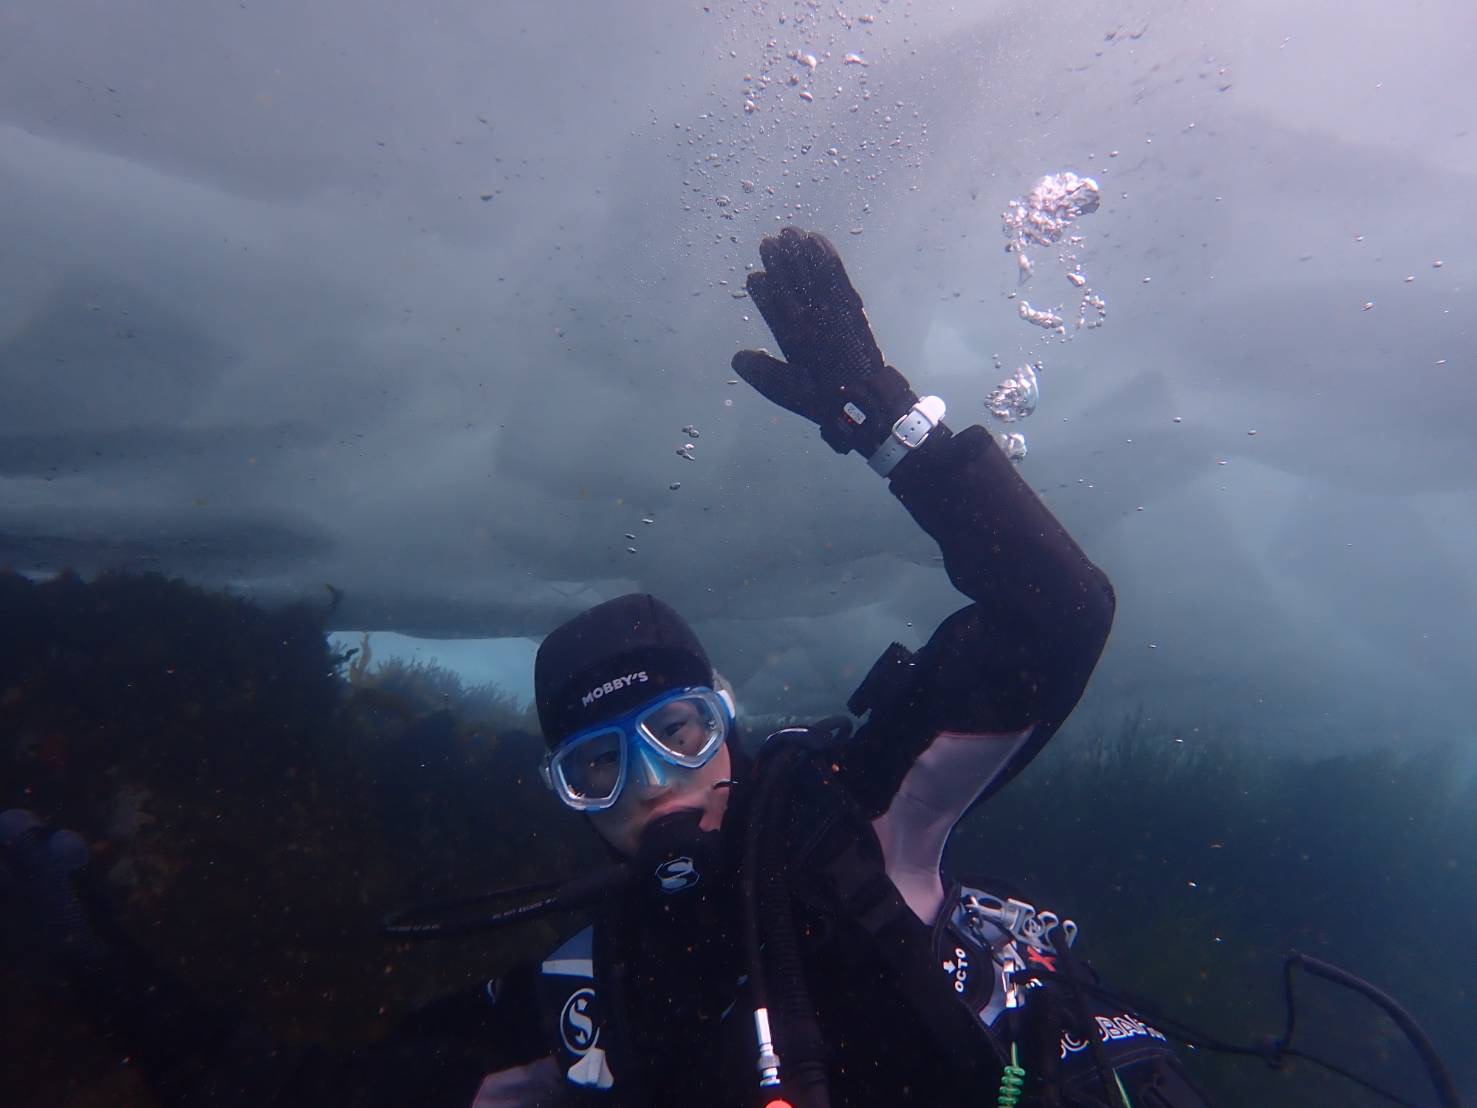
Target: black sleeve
{"type": "Point", "coordinates": [1017, 658]}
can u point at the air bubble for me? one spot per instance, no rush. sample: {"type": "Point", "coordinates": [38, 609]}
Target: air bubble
{"type": "Point", "coordinates": [1015, 398]}
{"type": "Point", "coordinates": [1042, 318]}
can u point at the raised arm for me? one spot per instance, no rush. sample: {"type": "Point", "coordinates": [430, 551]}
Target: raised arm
{"type": "Point", "coordinates": [952, 723]}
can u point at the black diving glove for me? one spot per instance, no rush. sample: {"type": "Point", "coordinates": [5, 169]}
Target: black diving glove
{"type": "Point", "coordinates": [835, 376]}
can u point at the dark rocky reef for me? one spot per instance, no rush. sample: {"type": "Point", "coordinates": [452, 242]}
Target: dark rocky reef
{"type": "Point", "coordinates": [252, 811]}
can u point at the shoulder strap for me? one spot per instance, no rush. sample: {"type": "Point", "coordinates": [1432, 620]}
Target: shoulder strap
{"type": "Point", "coordinates": [845, 861]}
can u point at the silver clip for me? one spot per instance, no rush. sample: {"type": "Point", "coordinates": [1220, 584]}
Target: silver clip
{"type": "Point", "coordinates": [1019, 919]}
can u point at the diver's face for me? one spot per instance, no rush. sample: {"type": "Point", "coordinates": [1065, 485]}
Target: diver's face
{"type": "Point", "coordinates": [641, 802]}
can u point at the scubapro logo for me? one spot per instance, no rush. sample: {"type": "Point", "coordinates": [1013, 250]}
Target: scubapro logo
{"type": "Point", "coordinates": [677, 874]}
{"type": "Point", "coordinates": [1111, 1028]}
{"type": "Point", "coordinates": [577, 1022]}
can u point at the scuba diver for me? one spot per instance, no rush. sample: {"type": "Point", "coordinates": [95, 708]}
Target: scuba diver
{"type": "Point", "coordinates": [775, 929]}
{"type": "Point", "coordinates": [783, 934]}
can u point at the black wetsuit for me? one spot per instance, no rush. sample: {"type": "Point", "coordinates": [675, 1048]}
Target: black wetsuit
{"type": "Point", "coordinates": [648, 1008]}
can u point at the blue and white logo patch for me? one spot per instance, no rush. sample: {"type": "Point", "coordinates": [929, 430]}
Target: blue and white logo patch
{"type": "Point", "coordinates": [677, 874]}
{"type": "Point", "coordinates": [577, 1025]}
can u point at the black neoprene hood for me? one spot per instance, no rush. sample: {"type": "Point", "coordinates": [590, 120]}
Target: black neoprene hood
{"type": "Point", "coordinates": [610, 659]}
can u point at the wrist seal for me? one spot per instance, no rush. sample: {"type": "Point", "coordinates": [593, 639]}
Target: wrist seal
{"type": "Point", "coordinates": [908, 433]}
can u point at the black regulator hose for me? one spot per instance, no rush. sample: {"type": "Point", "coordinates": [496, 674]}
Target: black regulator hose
{"type": "Point", "coordinates": [1274, 1050]}
{"type": "Point", "coordinates": [801, 1059]}
{"type": "Point", "coordinates": [446, 918]}
{"type": "Point", "coordinates": [1441, 1080]}
{"type": "Point", "coordinates": [804, 1045]}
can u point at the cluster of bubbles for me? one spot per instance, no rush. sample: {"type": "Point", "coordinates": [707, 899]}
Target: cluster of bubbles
{"type": "Point", "coordinates": [685, 451]}
{"type": "Point", "coordinates": [803, 126]}
{"type": "Point", "coordinates": [1043, 219]}
{"type": "Point", "coordinates": [1015, 397]}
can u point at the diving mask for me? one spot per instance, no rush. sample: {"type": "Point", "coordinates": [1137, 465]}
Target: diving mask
{"type": "Point", "coordinates": [681, 729]}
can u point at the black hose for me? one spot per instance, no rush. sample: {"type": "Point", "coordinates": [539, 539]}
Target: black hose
{"type": "Point", "coordinates": [1441, 1080]}
{"type": "Point", "coordinates": [1111, 1091]}
{"type": "Point", "coordinates": [429, 921]}
{"type": "Point", "coordinates": [1270, 1050]}
{"type": "Point", "coordinates": [804, 1046]}
{"type": "Point", "coordinates": [766, 893]}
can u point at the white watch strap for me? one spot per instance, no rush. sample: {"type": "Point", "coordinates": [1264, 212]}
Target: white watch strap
{"type": "Point", "coordinates": [908, 433]}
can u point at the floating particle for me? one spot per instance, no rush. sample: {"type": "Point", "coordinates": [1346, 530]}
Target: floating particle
{"type": "Point", "coordinates": [806, 96]}
{"type": "Point", "coordinates": [1076, 278]}
{"type": "Point", "coordinates": [856, 230]}
{"type": "Point", "coordinates": [722, 201]}
{"type": "Point", "coordinates": [739, 294]}
{"type": "Point", "coordinates": [747, 186]}
{"type": "Point", "coordinates": [675, 485]}
{"type": "Point", "coordinates": [1177, 419]}
{"type": "Point", "coordinates": [647, 520]}
{"type": "Point", "coordinates": [809, 61]}
{"type": "Point", "coordinates": [691, 432]}
{"type": "Point", "coordinates": [1014, 445]}
{"type": "Point", "coordinates": [629, 535]}
{"type": "Point", "coordinates": [1253, 433]}
{"type": "Point", "coordinates": [733, 380]}
{"type": "Point", "coordinates": [1368, 306]}
{"type": "Point", "coordinates": [1409, 279]}
{"type": "Point", "coordinates": [1437, 264]}
{"type": "Point", "coordinates": [854, 59]}
{"type": "Point", "coordinates": [1147, 280]}
{"type": "Point", "coordinates": [486, 196]}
